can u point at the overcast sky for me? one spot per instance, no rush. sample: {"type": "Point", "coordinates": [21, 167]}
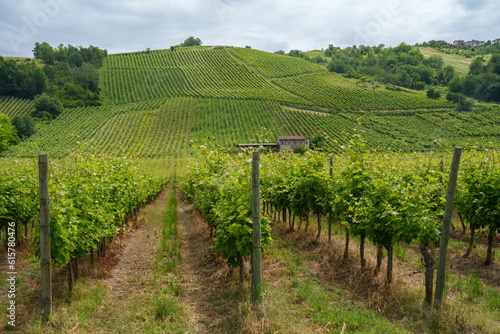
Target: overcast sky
{"type": "Point", "coordinates": [270, 25]}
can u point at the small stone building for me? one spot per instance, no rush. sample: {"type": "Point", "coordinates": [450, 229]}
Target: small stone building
{"type": "Point", "coordinates": [292, 142]}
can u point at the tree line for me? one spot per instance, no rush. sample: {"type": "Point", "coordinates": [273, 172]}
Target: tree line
{"type": "Point", "coordinates": [403, 66]}
{"type": "Point", "coordinates": [72, 73]}
{"type": "Point", "coordinates": [406, 66]}
{"type": "Point", "coordinates": [65, 76]}
{"type": "Point", "coordinates": [67, 73]}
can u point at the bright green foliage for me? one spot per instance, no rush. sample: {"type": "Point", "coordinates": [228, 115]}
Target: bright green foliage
{"type": "Point", "coordinates": [12, 106]}
{"type": "Point", "coordinates": [89, 200]}
{"type": "Point", "coordinates": [133, 77]}
{"type": "Point", "coordinates": [8, 133]}
{"type": "Point", "coordinates": [220, 186]}
{"type": "Point", "coordinates": [479, 191]}
{"type": "Point", "coordinates": [18, 186]}
{"type": "Point", "coordinates": [387, 198]}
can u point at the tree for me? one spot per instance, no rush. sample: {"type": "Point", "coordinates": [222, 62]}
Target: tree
{"type": "Point", "coordinates": [75, 59]}
{"type": "Point", "coordinates": [494, 63]}
{"type": "Point", "coordinates": [464, 104]}
{"type": "Point", "coordinates": [24, 125]}
{"type": "Point", "coordinates": [8, 133]}
{"type": "Point", "coordinates": [455, 85]}
{"type": "Point", "coordinates": [48, 104]}
{"type": "Point", "coordinates": [44, 52]}
{"type": "Point", "coordinates": [191, 41]}
{"type": "Point", "coordinates": [317, 141]}
{"type": "Point", "coordinates": [294, 53]}
{"type": "Point", "coordinates": [477, 66]}
{"type": "Point", "coordinates": [433, 93]}
{"type": "Point", "coordinates": [434, 62]}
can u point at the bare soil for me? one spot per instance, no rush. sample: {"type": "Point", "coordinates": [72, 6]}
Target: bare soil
{"type": "Point", "coordinates": [203, 274]}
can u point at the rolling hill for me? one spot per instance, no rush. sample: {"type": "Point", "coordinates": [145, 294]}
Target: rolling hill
{"type": "Point", "coordinates": [157, 103]}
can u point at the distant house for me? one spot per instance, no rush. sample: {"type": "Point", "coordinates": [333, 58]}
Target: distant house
{"type": "Point", "coordinates": [495, 41]}
{"type": "Point", "coordinates": [475, 43]}
{"type": "Point", "coordinates": [272, 146]}
{"type": "Point", "coordinates": [458, 43]}
{"type": "Point", "coordinates": [285, 143]}
{"type": "Point", "coordinates": [292, 142]}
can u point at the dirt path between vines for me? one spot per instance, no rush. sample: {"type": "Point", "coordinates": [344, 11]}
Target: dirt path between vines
{"type": "Point", "coordinates": [130, 276]}
{"type": "Point", "coordinates": [202, 273]}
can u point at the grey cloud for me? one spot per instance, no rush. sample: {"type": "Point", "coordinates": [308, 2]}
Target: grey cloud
{"type": "Point", "coordinates": [472, 4]}
{"type": "Point", "coordinates": [130, 25]}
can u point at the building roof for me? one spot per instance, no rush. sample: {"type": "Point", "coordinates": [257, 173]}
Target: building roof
{"type": "Point", "coordinates": [257, 145]}
{"type": "Point", "coordinates": [291, 138]}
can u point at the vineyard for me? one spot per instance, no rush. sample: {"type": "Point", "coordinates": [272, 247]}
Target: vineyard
{"type": "Point", "coordinates": [395, 131]}
{"type": "Point", "coordinates": [375, 178]}
{"type": "Point", "coordinates": [141, 76]}
{"type": "Point", "coordinates": [387, 200]}
{"type": "Point", "coordinates": [94, 196]}
{"type": "Point", "coordinates": [159, 128]}
{"type": "Point", "coordinates": [275, 66]}
{"type": "Point", "coordinates": [12, 106]}
{"type": "Point", "coordinates": [335, 92]}
{"type": "Point", "coordinates": [231, 122]}
{"type": "Point", "coordinates": [242, 73]}
{"type": "Point", "coordinates": [165, 127]}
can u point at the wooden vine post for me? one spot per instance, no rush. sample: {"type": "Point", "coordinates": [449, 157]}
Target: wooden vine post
{"type": "Point", "coordinates": [445, 231]}
{"type": "Point", "coordinates": [330, 214]}
{"type": "Point", "coordinates": [256, 234]}
{"type": "Point", "coordinates": [45, 258]}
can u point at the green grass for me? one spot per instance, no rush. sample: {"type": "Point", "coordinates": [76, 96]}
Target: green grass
{"type": "Point", "coordinates": [166, 308]}
{"type": "Point", "coordinates": [329, 307]}
{"type": "Point", "coordinates": [169, 255]}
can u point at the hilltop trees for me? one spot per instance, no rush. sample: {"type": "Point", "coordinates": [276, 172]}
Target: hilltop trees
{"type": "Point", "coordinates": [73, 73]}
{"type": "Point", "coordinates": [191, 41]}
{"type": "Point", "coordinates": [401, 66]}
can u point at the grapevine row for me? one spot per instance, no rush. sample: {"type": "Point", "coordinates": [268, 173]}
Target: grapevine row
{"type": "Point", "coordinates": [13, 106]}
{"type": "Point", "coordinates": [333, 91]}
{"type": "Point", "coordinates": [196, 73]}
